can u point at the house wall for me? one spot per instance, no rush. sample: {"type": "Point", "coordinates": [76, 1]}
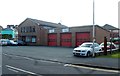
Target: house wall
{"type": "Point", "coordinates": [100, 34]}
{"type": "Point", "coordinates": [39, 33]}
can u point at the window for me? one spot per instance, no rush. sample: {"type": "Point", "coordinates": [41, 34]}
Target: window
{"type": "Point", "coordinates": [27, 29]}
{"type": "Point", "coordinates": [24, 29]}
{"type": "Point", "coordinates": [51, 31]}
{"type": "Point", "coordinates": [21, 29]}
{"type": "Point", "coordinates": [30, 29]}
{"type": "Point", "coordinates": [96, 45]}
{"type": "Point", "coordinates": [34, 39]}
{"type": "Point", "coordinates": [33, 29]}
{"type": "Point", "coordinates": [27, 39]}
{"type": "Point", "coordinates": [65, 30]}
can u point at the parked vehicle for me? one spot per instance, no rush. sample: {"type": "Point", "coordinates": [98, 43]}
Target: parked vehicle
{"type": "Point", "coordinates": [20, 42]}
{"type": "Point", "coordinates": [11, 42]}
{"type": "Point", "coordinates": [109, 45]}
{"type": "Point", "coordinates": [86, 49]}
{"type": "Point", "coordinates": [3, 41]}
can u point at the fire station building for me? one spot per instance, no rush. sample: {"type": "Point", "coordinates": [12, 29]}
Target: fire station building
{"type": "Point", "coordinates": [37, 32]}
{"type": "Point", "coordinates": [74, 36]}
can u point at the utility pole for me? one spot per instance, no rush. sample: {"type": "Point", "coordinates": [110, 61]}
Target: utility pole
{"type": "Point", "coordinates": [93, 29]}
{"type": "Point", "coordinates": [111, 41]}
{"type": "Point", "coordinates": [119, 38]}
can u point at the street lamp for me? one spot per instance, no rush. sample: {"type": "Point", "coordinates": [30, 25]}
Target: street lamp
{"type": "Point", "coordinates": [93, 30]}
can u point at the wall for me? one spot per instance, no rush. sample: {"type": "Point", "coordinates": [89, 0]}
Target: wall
{"type": "Point", "coordinates": [100, 34]}
{"type": "Point", "coordinates": [39, 32]}
{"type": "Point", "coordinates": [73, 31]}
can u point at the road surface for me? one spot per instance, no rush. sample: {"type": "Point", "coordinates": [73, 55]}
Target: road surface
{"type": "Point", "coordinates": [42, 60]}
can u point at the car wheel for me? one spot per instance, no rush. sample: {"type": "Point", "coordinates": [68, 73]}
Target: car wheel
{"type": "Point", "coordinates": [100, 50]}
{"type": "Point", "coordinates": [74, 55]}
{"type": "Point", "coordinates": [88, 54]}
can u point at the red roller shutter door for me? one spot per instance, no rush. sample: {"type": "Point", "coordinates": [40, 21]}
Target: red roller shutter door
{"type": "Point", "coordinates": [52, 39]}
{"type": "Point", "coordinates": [82, 37]}
{"type": "Point", "coordinates": [66, 39]}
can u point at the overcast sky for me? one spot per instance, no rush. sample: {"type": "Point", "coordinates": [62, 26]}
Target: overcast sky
{"type": "Point", "coordinates": [68, 12]}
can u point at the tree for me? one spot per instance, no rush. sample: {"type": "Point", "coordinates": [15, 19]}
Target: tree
{"type": "Point", "coordinates": [6, 36]}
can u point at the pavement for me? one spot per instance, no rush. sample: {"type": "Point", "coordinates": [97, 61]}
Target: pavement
{"type": "Point", "coordinates": [103, 63]}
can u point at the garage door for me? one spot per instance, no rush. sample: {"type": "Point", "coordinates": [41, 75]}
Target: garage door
{"type": "Point", "coordinates": [82, 37]}
{"type": "Point", "coordinates": [66, 39]}
{"type": "Point", "coordinates": [52, 39]}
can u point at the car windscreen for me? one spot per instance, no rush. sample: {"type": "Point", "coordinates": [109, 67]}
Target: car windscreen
{"type": "Point", "coordinates": [86, 45]}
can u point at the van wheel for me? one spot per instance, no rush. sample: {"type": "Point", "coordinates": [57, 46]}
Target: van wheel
{"type": "Point", "coordinates": [88, 54]}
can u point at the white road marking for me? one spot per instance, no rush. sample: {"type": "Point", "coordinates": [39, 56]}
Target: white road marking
{"type": "Point", "coordinates": [67, 65]}
{"type": "Point", "coordinates": [28, 58]}
{"type": "Point", "coordinates": [18, 69]}
{"type": "Point", "coordinates": [45, 61]}
{"type": "Point", "coordinates": [13, 70]}
{"type": "Point", "coordinates": [92, 68]}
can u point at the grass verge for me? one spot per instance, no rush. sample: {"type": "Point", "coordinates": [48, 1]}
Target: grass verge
{"type": "Point", "coordinates": [113, 55]}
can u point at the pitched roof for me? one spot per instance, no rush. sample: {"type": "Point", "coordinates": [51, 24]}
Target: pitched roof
{"type": "Point", "coordinates": [109, 27]}
{"type": "Point", "coordinates": [45, 23]}
{"type": "Point", "coordinates": [90, 26]}
{"type": "Point", "coordinates": [1, 27]}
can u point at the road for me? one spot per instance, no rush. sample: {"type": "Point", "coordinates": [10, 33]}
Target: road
{"type": "Point", "coordinates": [43, 60]}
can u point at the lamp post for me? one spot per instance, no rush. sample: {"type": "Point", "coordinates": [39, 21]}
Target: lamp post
{"type": "Point", "coordinates": [93, 29]}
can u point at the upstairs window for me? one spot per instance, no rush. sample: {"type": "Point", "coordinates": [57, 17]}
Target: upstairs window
{"type": "Point", "coordinates": [21, 29]}
{"type": "Point", "coordinates": [51, 30]}
{"type": "Point", "coordinates": [33, 29]}
{"type": "Point", "coordinates": [65, 30]}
